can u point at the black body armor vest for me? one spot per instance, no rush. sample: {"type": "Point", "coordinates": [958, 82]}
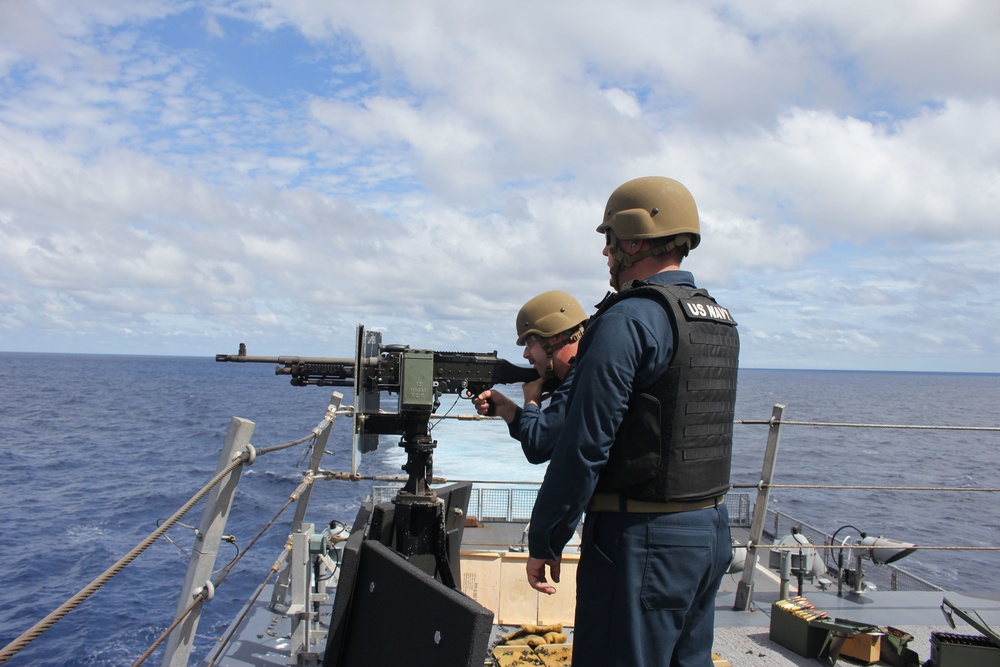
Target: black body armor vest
{"type": "Point", "coordinates": [675, 442]}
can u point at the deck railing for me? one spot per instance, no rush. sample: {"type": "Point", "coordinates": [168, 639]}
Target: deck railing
{"type": "Point", "coordinates": [507, 505]}
{"type": "Point", "coordinates": [887, 577]}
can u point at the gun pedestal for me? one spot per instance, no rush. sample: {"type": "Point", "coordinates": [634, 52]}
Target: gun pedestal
{"type": "Point", "coordinates": [419, 519]}
{"type": "Point", "coordinates": [419, 465]}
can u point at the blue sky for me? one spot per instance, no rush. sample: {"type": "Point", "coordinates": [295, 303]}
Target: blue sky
{"type": "Point", "coordinates": [179, 177]}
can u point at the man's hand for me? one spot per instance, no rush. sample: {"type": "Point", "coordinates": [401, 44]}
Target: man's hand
{"type": "Point", "coordinates": [492, 402]}
{"type": "Point", "coordinates": [536, 574]}
{"type": "Point", "coordinates": [533, 391]}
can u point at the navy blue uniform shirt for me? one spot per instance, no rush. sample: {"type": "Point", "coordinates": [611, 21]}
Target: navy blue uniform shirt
{"type": "Point", "coordinates": [537, 428]}
{"type": "Point", "coordinates": [629, 346]}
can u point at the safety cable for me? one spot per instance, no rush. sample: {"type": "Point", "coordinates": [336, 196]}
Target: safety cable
{"type": "Point", "coordinates": [33, 633]}
{"type": "Point", "coordinates": [224, 572]}
{"type": "Point", "coordinates": [793, 547]}
{"type": "Point", "coordinates": [785, 422]}
{"type": "Point", "coordinates": [60, 612]}
{"type": "Point", "coordinates": [219, 578]}
{"type": "Point", "coordinates": [862, 487]}
{"type": "Point", "coordinates": [346, 476]}
{"type": "Point", "coordinates": [287, 445]}
{"type": "Point", "coordinates": [198, 599]}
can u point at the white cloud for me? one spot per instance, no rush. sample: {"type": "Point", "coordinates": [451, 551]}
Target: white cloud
{"type": "Point", "coordinates": [624, 102]}
{"type": "Point", "coordinates": [442, 164]}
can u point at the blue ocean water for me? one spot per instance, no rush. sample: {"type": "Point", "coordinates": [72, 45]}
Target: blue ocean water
{"type": "Point", "coordinates": [95, 449]}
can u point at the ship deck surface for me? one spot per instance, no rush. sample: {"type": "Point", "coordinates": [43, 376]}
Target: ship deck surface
{"type": "Point", "coordinates": [741, 637]}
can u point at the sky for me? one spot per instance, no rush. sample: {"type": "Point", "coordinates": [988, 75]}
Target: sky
{"type": "Point", "coordinates": [177, 177]}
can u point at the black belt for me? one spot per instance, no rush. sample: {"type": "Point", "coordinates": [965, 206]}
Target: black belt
{"type": "Point", "coordinates": [613, 502]}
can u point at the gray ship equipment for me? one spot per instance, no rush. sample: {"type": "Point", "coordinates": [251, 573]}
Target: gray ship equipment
{"type": "Point", "coordinates": [879, 550]}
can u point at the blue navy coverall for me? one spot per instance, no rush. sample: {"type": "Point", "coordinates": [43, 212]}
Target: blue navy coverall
{"type": "Point", "coordinates": [646, 583]}
{"type": "Point", "coordinates": [536, 428]}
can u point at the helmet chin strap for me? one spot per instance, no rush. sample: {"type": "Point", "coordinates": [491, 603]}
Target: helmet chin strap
{"type": "Point", "coordinates": [552, 347]}
{"type": "Point", "coordinates": [623, 260]}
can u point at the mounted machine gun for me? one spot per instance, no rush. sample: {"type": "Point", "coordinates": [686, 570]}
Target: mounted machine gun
{"type": "Point", "coordinates": [419, 378]}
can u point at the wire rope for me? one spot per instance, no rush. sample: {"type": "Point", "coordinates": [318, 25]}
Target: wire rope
{"type": "Point", "coordinates": [34, 632]}
{"type": "Point", "coordinates": [60, 612]}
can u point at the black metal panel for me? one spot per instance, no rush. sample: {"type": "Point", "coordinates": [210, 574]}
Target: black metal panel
{"type": "Point", "coordinates": [400, 616]}
{"type": "Point", "coordinates": [367, 398]}
{"type": "Point", "coordinates": [419, 603]}
{"type": "Point", "coordinates": [350, 558]}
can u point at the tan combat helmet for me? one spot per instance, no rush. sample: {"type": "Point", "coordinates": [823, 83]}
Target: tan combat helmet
{"type": "Point", "coordinates": [548, 315]}
{"type": "Point", "coordinates": [648, 208]}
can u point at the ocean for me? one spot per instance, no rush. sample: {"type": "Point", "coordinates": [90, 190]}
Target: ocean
{"type": "Point", "coordinates": [94, 450]}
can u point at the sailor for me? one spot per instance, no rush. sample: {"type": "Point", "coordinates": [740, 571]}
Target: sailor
{"type": "Point", "coordinates": [549, 326]}
{"type": "Point", "coordinates": [644, 446]}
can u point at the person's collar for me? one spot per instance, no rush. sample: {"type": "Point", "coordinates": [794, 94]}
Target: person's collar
{"type": "Point", "coordinates": [678, 277]}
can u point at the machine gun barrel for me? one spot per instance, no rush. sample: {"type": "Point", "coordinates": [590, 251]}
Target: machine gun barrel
{"type": "Point", "coordinates": [319, 371]}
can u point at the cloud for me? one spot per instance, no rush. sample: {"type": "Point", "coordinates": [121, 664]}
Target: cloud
{"type": "Point", "coordinates": [428, 169]}
{"type": "Point", "coordinates": [862, 180]}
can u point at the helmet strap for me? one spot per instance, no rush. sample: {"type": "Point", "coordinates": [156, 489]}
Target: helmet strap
{"type": "Point", "coordinates": [553, 344]}
{"type": "Point", "coordinates": [623, 260]}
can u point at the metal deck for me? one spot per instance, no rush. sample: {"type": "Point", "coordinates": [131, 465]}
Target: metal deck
{"type": "Point", "coordinates": [743, 637]}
